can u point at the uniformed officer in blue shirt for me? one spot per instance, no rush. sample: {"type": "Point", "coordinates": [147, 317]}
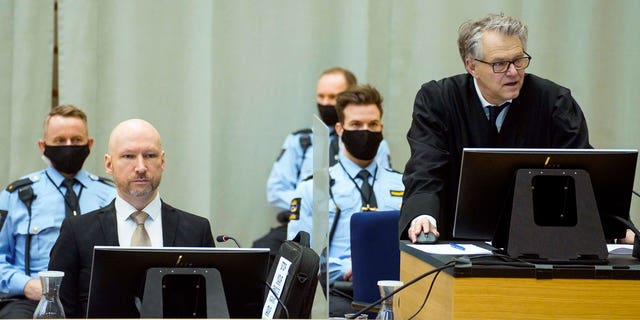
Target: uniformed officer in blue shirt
{"type": "Point", "coordinates": [33, 207]}
{"type": "Point", "coordinates": [351, 180]}
{"type": "Point", "coordinates": [295, 161]}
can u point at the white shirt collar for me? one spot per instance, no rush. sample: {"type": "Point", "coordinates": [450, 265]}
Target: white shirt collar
{"type": "Point", "coordinates": [353, 169]}
{"type": "Point", "coordinates": [483, 101]}
{"type": "Point", "coordinates": [124, 209]}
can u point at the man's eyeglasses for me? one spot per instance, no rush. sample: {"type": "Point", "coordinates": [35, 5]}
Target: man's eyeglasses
{"type": "Point", "coordinates": [503, 66]}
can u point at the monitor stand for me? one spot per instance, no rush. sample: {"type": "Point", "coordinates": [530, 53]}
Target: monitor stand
{"type": "Point", "coordinates": [184, 293]}
{"type": "Point", "coordinates": [554, 218]}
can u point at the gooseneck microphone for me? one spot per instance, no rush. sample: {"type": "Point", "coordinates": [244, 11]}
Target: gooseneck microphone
{"type": "Point", "coordinates": [225, 238]}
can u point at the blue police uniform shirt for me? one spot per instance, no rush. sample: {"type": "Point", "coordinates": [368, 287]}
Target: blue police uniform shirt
{"type": "Point", "coordinates": [47, 213]}
{"type": "Point", "coordinates": [293, 165]}
{"type": "Point", "coordinates": [388, 188]}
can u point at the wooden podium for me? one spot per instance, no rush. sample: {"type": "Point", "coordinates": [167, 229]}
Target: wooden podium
{"type": "Point", "coordinates": [501, 292]}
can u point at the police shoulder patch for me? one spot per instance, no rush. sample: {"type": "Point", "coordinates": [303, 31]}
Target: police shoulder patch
{"type": "Point", "coordinates": [104, 180]}
{"type": "Point", "coordinates": [294, 209]}
{"type": "Point", "coordinates": [19, 184]}
{"type": "Point", "coordinates": [392, 170]}
{"type": "Point", "coordinates": [396, 193]}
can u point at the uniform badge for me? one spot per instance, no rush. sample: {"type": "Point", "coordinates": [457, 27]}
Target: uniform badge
{"type": "Point", "coordinates": [294, 209]}
{"type": "Point", "coordinates": [396, 193]}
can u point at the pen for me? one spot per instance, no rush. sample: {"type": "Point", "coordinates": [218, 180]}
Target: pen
{"type": "Point", "coordinates": [456, 246]}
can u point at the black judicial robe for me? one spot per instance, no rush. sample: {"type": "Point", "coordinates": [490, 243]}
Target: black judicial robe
{"type": "Point", "coordinates": [448, 116]}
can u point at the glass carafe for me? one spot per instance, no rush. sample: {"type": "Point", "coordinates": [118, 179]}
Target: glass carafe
{"type": "Point", "coordinates": [389, 307]}
{"type": "Point", "coordinates": [50, 306]}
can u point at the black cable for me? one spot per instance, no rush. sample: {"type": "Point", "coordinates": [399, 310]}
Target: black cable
{"type": "Point", "coordinates": [341, 293]}
{"type": "Point", "coordinates": [506, 261]}
{"type": "Point", "coordinates": [286, 311]}
{"type": "Point", "coordinates": [636, 193]}
{"type": "Point", "coordinates": [448, 265]}
{"type": "Point", "coordinates": [424, 302]}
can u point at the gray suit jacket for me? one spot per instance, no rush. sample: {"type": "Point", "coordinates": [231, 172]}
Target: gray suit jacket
{"type": "Point", "coordinates": [73, 251]}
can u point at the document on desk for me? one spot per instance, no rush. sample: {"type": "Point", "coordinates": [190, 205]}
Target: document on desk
{"type": "Point", "coordinates": [620, 248]}
{"type": "Point", "coordinates": [451, 249]}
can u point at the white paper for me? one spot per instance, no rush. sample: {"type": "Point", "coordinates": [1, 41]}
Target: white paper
{"type": "Point", "coordinates": [450, 249]}
{"type": "Point", "coordinates": [620, 248]}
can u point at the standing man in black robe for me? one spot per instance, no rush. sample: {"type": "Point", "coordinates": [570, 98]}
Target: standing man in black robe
{"type": "Point", "coordinates": [458, 112]}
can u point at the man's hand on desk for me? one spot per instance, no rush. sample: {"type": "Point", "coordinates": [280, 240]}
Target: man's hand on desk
{"type": "Point", "coordinates": [628, 239]}
{"type": "Point", "coordinates": [423, 223]}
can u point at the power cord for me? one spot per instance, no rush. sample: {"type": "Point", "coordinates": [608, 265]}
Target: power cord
{"type": "Point", "coordinates": [424, 302]}
{"type": "Point", "coordinates": [505, 260]}
{"type": "Point", "coordinates": [275, 295]}
{"type": "Point", "coordinates": [462, 260]}
{"type": "Point", "coordinates": [448, 265]}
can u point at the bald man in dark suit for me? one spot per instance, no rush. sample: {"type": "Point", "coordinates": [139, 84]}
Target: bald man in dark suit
{"type": "Point", "coordinates": [136, 161]}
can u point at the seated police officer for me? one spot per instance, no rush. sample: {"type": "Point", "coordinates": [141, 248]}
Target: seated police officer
{"type": "Point", "coordinates": [295, 161]}
{"type": "Point", "coordinates": [33, 207]}
{"type": "Point", "coordinates": [357, 183]}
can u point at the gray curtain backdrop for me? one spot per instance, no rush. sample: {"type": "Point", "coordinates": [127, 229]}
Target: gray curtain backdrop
{"type": "Point", "coordinates": [225, 81]}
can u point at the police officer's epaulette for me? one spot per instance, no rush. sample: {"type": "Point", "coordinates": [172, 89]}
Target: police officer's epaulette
{"type": "Point", "coordinates": [13, 186]}
{"type": "Point", "coordinates": [393, 170]}
{"type": "Point", "coordinates": [308, 178]}
{"type": "Point", "coordinates": [104, 180]}
{"type": "Point", "coordinates": [305, 131]}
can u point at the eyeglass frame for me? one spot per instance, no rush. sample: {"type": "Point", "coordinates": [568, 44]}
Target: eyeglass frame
{"type": "Point", "coordinates": [509, 63]}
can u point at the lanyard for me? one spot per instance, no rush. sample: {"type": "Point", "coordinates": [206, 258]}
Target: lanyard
{"type": "Point", "coordinates": [66, 202]}
{"type": "Point", "coordinates": [375, 174]}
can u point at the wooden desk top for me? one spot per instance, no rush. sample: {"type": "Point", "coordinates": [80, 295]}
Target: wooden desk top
{"type": "Point", "coordinates": [505, 292]}
{"type": "Point", "coordinates": [619, 267]}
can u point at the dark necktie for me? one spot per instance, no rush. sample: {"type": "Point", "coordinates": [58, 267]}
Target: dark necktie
{"type": "Point", "coordinates": [333, 148]}
{"type": "Point", "coordinates": [368, 196]}
{"type": "Point", "coordinates": [494, 111]}
{"type": "Point", "coordinates": [72, 208]}
{"type": "Point", "coordinates": [140, 237]}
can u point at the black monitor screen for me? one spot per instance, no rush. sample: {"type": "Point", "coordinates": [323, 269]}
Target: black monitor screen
{"type": "Point", "coordinates": [118, 275]}
{"type": "Point", "coordinates": [487, 178]}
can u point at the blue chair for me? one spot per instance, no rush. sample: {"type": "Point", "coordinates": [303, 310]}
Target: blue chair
{"type": "Point", "coordinates": [375, 253]}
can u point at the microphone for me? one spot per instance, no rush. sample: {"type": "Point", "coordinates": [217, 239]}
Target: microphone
{"type": "Point", "coordinates": [225, 238]}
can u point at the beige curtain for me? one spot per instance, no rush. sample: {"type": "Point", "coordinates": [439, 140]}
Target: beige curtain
{"type": "Point", "coordinates": [26, 48]}
{"type": "Point", "coordinates": [225, 81]}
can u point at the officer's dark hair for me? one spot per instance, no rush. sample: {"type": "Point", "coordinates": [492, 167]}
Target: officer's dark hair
{"type": "Point", "coordinates": [65, 110]}
{"type": "Point", "coordinates": [348, 75]}
{"type": "Point", "coordinates": [358, 95]}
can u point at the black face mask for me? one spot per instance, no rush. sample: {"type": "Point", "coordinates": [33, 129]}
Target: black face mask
{"type": "Point", "coordinates": [328, 114]}
{"type": "Point", "coordinates": [362, 144]}
{"type": "Point", "coordinates": [67, 159]}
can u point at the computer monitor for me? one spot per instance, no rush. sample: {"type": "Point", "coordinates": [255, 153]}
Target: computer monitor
{"type": "Point", "coordinates": [487, 175]}
{"type": "Point", "coordinates": [118, 275]}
